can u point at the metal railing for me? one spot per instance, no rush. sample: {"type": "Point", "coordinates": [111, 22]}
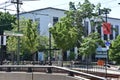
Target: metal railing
{"type": "Point", "coordinates": [46, 68]}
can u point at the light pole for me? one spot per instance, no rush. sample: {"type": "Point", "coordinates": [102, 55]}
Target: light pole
{"type": "Point", "coordinates": [49, 70]}
{"type": "Point", "coordinates": [49, 26]}
{"type": "Point", "coordinates": [106, 12]}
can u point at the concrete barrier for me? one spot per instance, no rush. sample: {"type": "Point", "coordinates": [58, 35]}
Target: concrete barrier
{"type": "Point", "coordinates": [35, 76]}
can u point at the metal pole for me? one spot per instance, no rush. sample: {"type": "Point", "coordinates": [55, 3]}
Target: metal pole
{"type": "Point", "coordinates": [18, 46]}
{"type": "Point", "coordinates": [50, 63]}
{"type": "Point", "coordinates": [49, 70]}
{"type": "Point", "coordinates": [107, 50]}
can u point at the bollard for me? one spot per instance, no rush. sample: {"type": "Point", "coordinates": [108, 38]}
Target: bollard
{"type": "Point", "coordinates": [49, 70]}
{"type": "Point", "coordinates": [8, 69]}
{"type": "Point", "coordinates": [70, 74]}
{"type": "Point", "coordinates": [29, 69]}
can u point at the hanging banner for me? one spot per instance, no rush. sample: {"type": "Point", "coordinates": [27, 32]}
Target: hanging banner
{"type": "Point", "coordinates": [106, 28]}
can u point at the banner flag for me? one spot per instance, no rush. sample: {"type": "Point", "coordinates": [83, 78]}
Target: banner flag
{"type": "Point", "coordinates": [106, 28]}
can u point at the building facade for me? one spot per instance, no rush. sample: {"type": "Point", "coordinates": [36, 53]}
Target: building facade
{"type": "Point", "coordinates": [44, 17]}
{"type": "Point", "coordinates": [51, 15]}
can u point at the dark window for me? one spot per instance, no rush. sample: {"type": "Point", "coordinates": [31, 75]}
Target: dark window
{"type": "Point", "coordinates": [38, 22]}
{"type": "Point", "coordinates": [105, 37]}
{"type": "Point", "coordinates": [111, 35]}
{"type": "Point", "coordinates": [86, 28]}
{"type": "Point", "coordinates": [55, 20]}
{"type": "Point", "coordinates": [116, 31]}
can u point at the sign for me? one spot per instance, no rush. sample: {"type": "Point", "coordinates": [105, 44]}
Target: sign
{"type": "Point", "coordinates": [106, 28]}
{"type": "Point", "coordinates": [107, 43]}
{"type": "Point", "coordinates": [100, 62]}
{"type": "Point", "coordinates": [12, 33]}
{"type": "Point", "coordinates": [101, 52]}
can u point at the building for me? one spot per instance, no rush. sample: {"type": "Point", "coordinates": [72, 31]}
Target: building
{"type": "Point", "coordinates": [51, 15]}
{"type": "Point", "coordinates": [44, 17]}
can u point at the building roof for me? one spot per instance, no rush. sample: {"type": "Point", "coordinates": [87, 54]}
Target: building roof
{"type": "Point", "coordinates": [60, 10]}
{"type": "Point", "coordinates": [43, 9]}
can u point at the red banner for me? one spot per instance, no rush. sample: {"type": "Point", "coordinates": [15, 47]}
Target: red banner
{"type": "Point", "coordinates": [106, 28]}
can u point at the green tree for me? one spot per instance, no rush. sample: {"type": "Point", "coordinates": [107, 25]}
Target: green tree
{"type": "Point", "coordinates": [114, 51]}
{"type": "Point", "coordinates": [30, 38]}
{"type": "Point", "coordinates": [5, 21]}
{"type": "Point", "coordinates": [72, 56]}
{"type": "Point", "coordinates": [64, 34]}
{"type": "Point", "coordinates": [5, 24]}
{"type": "Point", "coordinates": [90, 43]}
{"type": "Point", "coordinates": [43, 43]}
{"type": "Point", "coordinates": [28, 42]}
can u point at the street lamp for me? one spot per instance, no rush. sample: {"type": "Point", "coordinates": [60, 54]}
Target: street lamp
{"type": "Point", "coordinates": [49, 70]}
{"type": "Point", "coordinates": [49, 26]}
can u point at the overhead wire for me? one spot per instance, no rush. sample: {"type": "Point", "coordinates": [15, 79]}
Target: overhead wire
{"type": "Point", "coordinates": [103, 2]}
{"type": "Point", "coordinates": [6, 4]}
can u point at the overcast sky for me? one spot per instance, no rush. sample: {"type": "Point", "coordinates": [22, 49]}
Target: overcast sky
{"type": "Point", "coordinates": [62, 4]}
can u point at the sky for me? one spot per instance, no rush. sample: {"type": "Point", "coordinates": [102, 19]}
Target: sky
{"type": "Point", "coordinates": [61, 4]}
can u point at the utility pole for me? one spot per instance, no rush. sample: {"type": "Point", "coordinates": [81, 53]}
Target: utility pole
{"type": "Point", "coordinates": [107, 50]}
{"type": "Point", "coordinates": [18, 47]}
{"type": "Point", "coordinates": [18, 29]}
{"type": "Point", "coordinates": [106, 12]}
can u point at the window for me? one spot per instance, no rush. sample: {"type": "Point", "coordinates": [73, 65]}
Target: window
{"type": "Point", "coordinates": [111, 35]}
{"type": "Point", "coordinates": [86, 27]}
{"type": "Point", "coordinates": [38, 21]}
{"type": "Point", "coordinates": [105, 37]}
{"type": "Point", "coordinates": [116, 31]}
{"type": "Point", "coordinates": [55, 20]}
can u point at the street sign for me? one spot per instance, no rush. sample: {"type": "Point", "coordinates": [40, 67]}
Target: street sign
{"type": "Point", "coordinates": [11, 33]}
{"type": "Point", "coordinates": [101, 52]}
{"type": "Point", "coordinates": [107, 43]}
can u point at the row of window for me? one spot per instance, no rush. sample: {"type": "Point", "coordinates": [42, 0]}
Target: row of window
{"type": "Point", "coordinates": [86, 24]}
{"type": "Point", "coordinates": [111, 36]}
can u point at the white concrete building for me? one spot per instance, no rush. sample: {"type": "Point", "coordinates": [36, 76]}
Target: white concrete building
{"type": "Point", "coordinates": [52, 15]}
{"type": "Point", "coordinates": [44, 17]}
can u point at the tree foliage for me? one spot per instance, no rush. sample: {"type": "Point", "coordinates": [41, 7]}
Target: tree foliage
{"type": "Point", "coordinates": [30, 38]}
{"type": "Point", "coordinates": [89, 44]}
{"type": "Point", "coordinates": [5, 21]}
{"type": "Point", "coordinates": [114, 51]}
{"type": "Point", "coordinates": [82, 12]}
{"type": "Point", "coordinates": [28, 42]}
{"type": "Point", "coordinates": [64, 34]}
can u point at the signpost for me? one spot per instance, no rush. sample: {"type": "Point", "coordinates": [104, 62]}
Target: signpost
{"type": "Point", "coordinates": [12, 33]}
